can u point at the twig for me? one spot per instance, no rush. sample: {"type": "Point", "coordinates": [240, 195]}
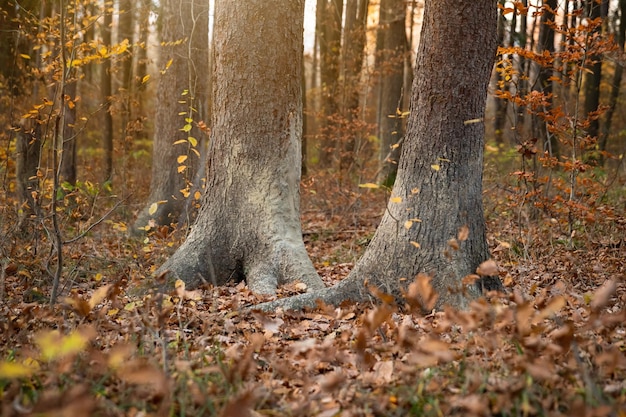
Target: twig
{"type": "Point", "coordinates": [91, 226]}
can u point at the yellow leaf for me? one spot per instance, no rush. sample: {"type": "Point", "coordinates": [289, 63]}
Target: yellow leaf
{"type": "Point", "coordinates": [153, 208]}
{"type": "Point", "coordinates": [11, 370]}
{"type": "Point", "coordinates": [145, 78]}
{"type": "Point", "coordinates": [186, 128]}
{"type": "Point", "coordinates": [417, 245]}
{"type": "Point", "coordinates": [368, 185]}
{"type": "Point", "coordinates": [25, 56]}
{"type": "Point", "coordinates": [178, 142]}
{"type": "Point", "coordinates": [98, 277]}
{"type": "Point", "coordinates": [53, 345]}
{"type": "Point", "coordinates": [181, 168]}
{"type": "Point", "coordinates": [408, 224]}
{"type": "Point", "coordinates": [197, 195]}
{"type": "Point", "coordinates": [472, 121]}
{"type": "Point", "coordinates": [181, 159]}
{"type": "Point", "coordinates": [396, 200]}
{"type": "Point", "coordinates": [193, 141]}
{"type": "Point", "coordinates": [435, 167]}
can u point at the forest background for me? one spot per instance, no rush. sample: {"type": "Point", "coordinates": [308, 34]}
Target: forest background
{"type": "Point", "coordinates": [82, 222]}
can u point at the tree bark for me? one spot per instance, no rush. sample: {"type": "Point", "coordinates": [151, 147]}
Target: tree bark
{"type": "Point", "coordinates": [67, 170]}
{"type": "Point", "coordinates": [593, 78]}
{"type": "Point", "coordinates": [544, 74]}
{"type": "Point", "coordinates": [615, 85]}
{"type": "Point", "coordinates": [353, 54]}
{"type": "Point", "coordinates": [391, 66]}
{"type": "Point", "coordinates": [249, 223]}
{"type": "Point", "coordinates": [330, 50]}
{"type": "Point", "coordinates": [438, 190]}
{"type": "Point", "coordinates": [106, 91]}
{"type": "Point", "coordinates": [500, 105]}
{"type": "Point", "coordinates": [181, 90]}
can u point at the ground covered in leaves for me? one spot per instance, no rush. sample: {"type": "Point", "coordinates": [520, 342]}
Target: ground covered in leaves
{"type": "Point", "coordinates": [553, 344]}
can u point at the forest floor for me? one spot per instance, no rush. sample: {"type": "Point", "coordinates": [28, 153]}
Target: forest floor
{"type": "Point", "coordinates": [553, 344]}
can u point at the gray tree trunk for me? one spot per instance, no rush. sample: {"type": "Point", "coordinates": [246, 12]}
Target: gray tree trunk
{"type": "Point", "coordinates": [390, 63]}
{"type": "Point", "coordinates": [187, 71]}
{"type": "Point", "coordinates": [331, 15]}
{"type": "Point", "coordinates": [249, 223]}
{"type": "Point", "coordinates": [439, 177]}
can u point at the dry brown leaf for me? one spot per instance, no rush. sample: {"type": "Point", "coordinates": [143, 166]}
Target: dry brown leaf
{"type": "Point", "coordinates": [463, 233]}
{"type": "Point", "coordinates": [487, 268]}
{"type": "Point", "coordinates": [603, 294]}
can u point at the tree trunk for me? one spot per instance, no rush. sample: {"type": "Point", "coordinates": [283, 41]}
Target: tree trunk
{"type": "Point", "coordinates": [353, 53]}
{"type": "Point", "coordinates": [181, 95]}
{"type": "Point", "coordinates": [438, 190]}
{"type": "Point", "coordinates": [391, 66]}
{"type": "Point", "coordinates": [67, 170]}
{"type": "Point", "coordinates": [249, 223]}
{"type": "Point", "coordinates": [106, 91]}
{"type": "Point", "coordinates": [617, 81]}
{"type": "Point", "coordinates": [27, 156]}
{"type": "Point", "coordinates": [500, 105]}
{"type": "Point", "coordinates": [544, 75]}
{"type": "Point", "coordinates": [593, 78]}
{"type": "Point", "coordinates": [330, 49]}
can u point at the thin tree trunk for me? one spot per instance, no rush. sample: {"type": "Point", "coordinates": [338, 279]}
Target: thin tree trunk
{"type": "Point", "coordinates": [544, 83]}
{"type": "Point", "coordinates": [499, 103]}
{"type": "Point", "coordinates": [353, 54]}
{"type": "Point", "coordinates": [616, 83]}
{"type": "Point", "coordinates": [330, 49]}
{"type": "Point", "coordinates": [106, 92]}
{"type": "Point", "coordinates": [67, 172]}
{"type": "Point", "coordinates": [392, 55]}
{"type": "Point", "coordinates": [593, 77]}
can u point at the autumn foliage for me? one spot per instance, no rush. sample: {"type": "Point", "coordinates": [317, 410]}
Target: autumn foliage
{"type": "Point", "coordinates": [118, 342]}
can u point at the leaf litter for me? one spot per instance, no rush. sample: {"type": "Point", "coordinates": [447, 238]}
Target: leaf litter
{"type": "Point", "coordinates": [553, 344]}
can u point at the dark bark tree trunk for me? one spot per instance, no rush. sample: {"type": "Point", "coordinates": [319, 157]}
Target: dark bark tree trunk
{"type": "Point", "coordinates": [500, 105]}
{"type": "Point", "coordinates": [593, 77]}
{"type": "Point", "coordinates": [617, 81]}
{"type": "Point", "coordinates": [352, 57]}
{"type": "Point", "coordinates": [438, 190]}
{"type": "Point", "coordinates": [106, 91]}
{"type": "Point", "coordinates": [67, 172]}
{"type": "Point", "coordinates": [544, 83]}
{"type": "Point", "coordinates": [391, 67]}
{"type": "Point", "coordinates": [182, 98]}
{"type": "Point", "coordinates": [523, 69]}
{"type": "Point", "coordinates": [330, 50]}
{"type": "Point", "coordinates": [249, 223]}
{"type": "Point", "coordinates": [27, 158]}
